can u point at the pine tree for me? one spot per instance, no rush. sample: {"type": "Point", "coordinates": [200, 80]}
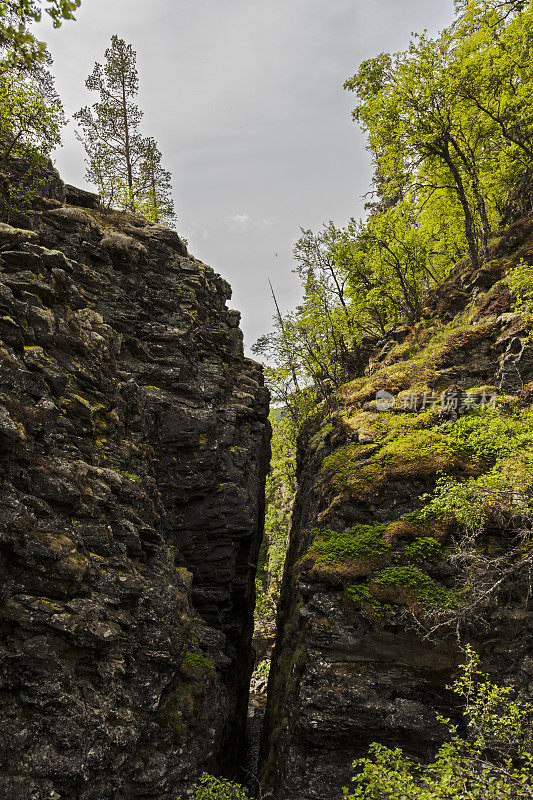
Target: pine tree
{"type": "Point", "coordinates": [155, 186]}
{"type": "Point", "coordinates": [126, 168]}
{"type": "Point", "coordinates": [111, 137]}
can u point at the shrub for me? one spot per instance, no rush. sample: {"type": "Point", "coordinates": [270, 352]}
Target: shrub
{"type": "Point", "coordinates": [494, 761]}
{"type": "Point", "coordinates": [423, 550]}
{"type": "Point", "coordinates": [211, 788]}
{"type": "Point", "coordinates": [520, 282]}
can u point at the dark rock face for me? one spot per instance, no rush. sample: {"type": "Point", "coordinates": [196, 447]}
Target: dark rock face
{"type": "Point", "coordinates": [81, 198]}
{"type": "Point", "coordinates": [339, 682]}
{"type": "Point", "coordinates": [133, 453]}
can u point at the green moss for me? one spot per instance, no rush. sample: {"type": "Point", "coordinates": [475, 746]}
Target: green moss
{"type": "Point", "coordinates": [130, 476]}
{"type": "Point", "coordinates": [414, 364]}
{"type": "Point", "coordinates": [197, 663]}
{"type": "Point", "coordinates": [427, 591]}
{"type": "Point", "coordinates": [416, 446]}
{"type": "Point", "coordinates": [362, 541]}
{"type": "Point", "coordinates": [322, 433]}
{"type": "Point", "coordinates": [423, 550]}
{"type": "Point", "coordinates": [369, 607]}
{"type": "Point", "coordinates": [416, 454]}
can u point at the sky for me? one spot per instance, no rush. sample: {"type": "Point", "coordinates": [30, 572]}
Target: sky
{"type": "Point", "coordinates": [245, 99]}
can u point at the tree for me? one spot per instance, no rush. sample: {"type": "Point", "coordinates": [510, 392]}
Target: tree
{"type": "Point", "coordinates": [17, 44]}
{"type": "Point", "coordinates": [126, 168]}
{"type": "Point", "coordinates": [419, 136]}
{"type": "Point", "coordinates": [111, 137]}
{"type": "Point", "coordinates": [493, 76]}
{"type": "Point", "coordinates": [31, 117]}
{"type": "Point", "coordinates": [155, 186]}
{"type": "Point", "coordinates": [492, 762]}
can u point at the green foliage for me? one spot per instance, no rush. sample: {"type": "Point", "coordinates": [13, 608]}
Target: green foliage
{"type": "Point", "coordinates": [363, 541]}
{"type": "Point", "coordinates": [520, 282]}
{"type": "Point", "coordinates": [490, 436]}
{"type": "Point", "coordinates": [416, 444]}
{"type": "Point", "coordinates": [18, 46]}
{"type": "Point", "coordinates": [449, 121]}
{"type": "Point", "coordinates": [369, 606]}
{"type": "Point", "coordinates": [130, 476]}
{"type": "Point", "coordinates": [31, 117]}
{"type": "Point", "coordinates": [450, 130]}
{"type": "Point", "coordinates": [395, 574]}
{"type": "Point", "coordinates": [154, 190]}
{"type": "Point", "coordinates": [505, 443]}
{"type": "Point", "coordinates": [493, 763]}
{"type": "Point", "coordinates": [280, 490]}
{"type": "Point", "coordinates": [421, 453]}
{"type": "Point", "coordinates": [263, 670]}
{"type": "Point", "coordinates": [423, 550]}
{"type": "Point", "coordinates": [211, 788]}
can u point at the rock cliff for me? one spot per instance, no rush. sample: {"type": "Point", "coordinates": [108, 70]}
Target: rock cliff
{"type": "Point", "coordinates": [348, 669]}
{"type": "Point", "coordinates": [133, 452]}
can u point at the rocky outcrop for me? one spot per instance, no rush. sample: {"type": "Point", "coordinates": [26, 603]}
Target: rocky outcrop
{"type": "Point", "coordinates": [347, 669]}
{"type": "Point", "coordinates": [133, 452]}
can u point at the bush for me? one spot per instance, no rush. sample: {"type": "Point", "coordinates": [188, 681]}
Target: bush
{"type": "Point", "coordinates": [211, 788]}
{"type": "Point", "coordinates": [418, 583]}
{"type": "Point", "coordinates": [493, 762]}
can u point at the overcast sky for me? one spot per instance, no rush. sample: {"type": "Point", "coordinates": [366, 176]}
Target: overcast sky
{"type": "Point", "coordinates": [245, 99]}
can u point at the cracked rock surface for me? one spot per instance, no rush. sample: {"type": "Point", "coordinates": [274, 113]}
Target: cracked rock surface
{"type": "Point", "coordinates": [134, 444]}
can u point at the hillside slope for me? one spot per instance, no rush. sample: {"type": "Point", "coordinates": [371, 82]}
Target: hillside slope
{"type": "Point", "coordinates": [368, 573]}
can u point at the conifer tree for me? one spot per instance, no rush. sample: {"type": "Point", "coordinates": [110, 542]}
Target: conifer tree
{"type": "Point", "coordinates": [111, 136]}
{"type": "Point", "coordinates": [155, 186]}
{"type": "Point", "coordinates": [126, 167]}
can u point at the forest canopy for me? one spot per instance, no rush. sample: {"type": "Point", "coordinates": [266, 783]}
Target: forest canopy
{"type": "Point", "coordinates": [449, 126]}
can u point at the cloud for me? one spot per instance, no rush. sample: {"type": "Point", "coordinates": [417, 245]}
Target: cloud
{"type": "Point", "coordinates": [244, 222]}
{"type": "Point", "coordinates": [240, 222]}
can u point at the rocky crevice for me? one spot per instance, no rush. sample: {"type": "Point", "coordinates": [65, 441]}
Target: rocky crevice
{"type": "Point", "coordinates": [133, 453]}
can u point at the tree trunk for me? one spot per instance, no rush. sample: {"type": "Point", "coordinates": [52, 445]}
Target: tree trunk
{"type": "Point", "coordinates": [154, 200]}
{"type": "Point", "coordinates": [470, 231]}
{"type": "Point", "coordinates": [127, 146]}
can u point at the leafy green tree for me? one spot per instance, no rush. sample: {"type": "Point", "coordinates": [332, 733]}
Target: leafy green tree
{"type": "Point", "coordinates": [18, 46]}
{"type": "Point", "coordinates": [31, 118]}
{"type": "Point", "coordinates": [493, 76]}
{"type": "Point", "coordinates": [492, 762]}
{"type": "Point", "coordinates": [418, 134]}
